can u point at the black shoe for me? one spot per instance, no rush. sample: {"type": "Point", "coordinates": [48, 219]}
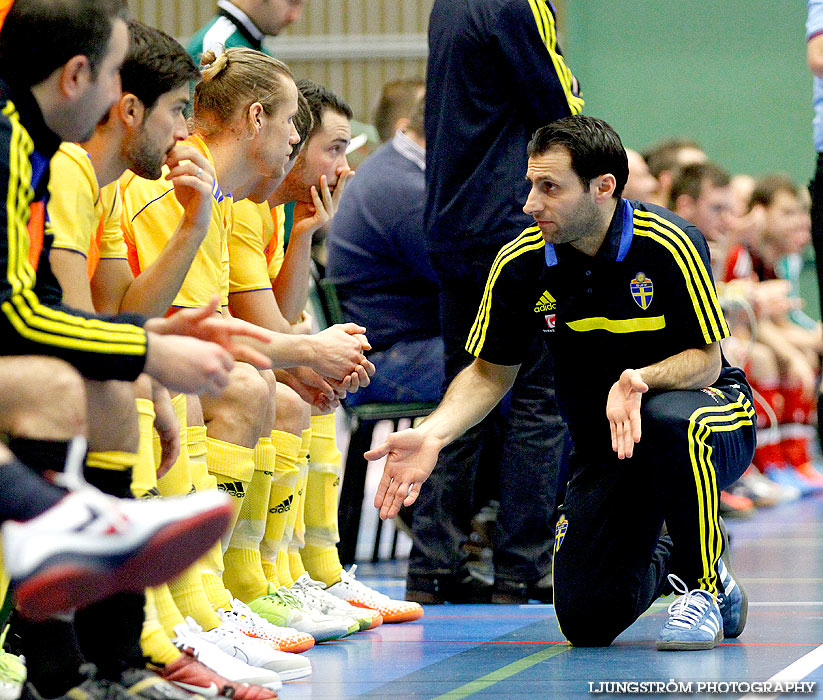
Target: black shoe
{"type": "Point", "coordinates": [508, 592]}
{"type": "Point", "coordinates": [90, 689]}
{"type": "Point", "coordinates": [143, 684]}
{"type": "Point", "coordinates": [447, 588]}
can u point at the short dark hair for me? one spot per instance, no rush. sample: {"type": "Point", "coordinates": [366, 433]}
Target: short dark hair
{"type": "Point", "coordinates": [155, 64]}
{"type": "Point", "coordinates": [767, 187]}
{"type": "Point", "coordinates": [40, 36]}
{"type": "Point", "coordinates": [664, 155]}
{"type": "Point", "coordinates": [303, 122]}
{"type": "Point", "coordinates": [594, 146]}
{"type": "Point", "coordinates": [397, 99]}
{"type": "Point", "coordinates": [320, 98]}
{"type": "Point", "coordinates": [691, 178]}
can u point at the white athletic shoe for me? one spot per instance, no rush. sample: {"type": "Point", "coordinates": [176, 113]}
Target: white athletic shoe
{"type": "Point", "coordinates": [282, 607]}
{"type": "Point", "coordinates": [230, 662]}
{"type": "Point", "coordinates": [90, 545]}
{"type": "Point", "coordinates": [242, 619]}
{"type": "Point", "coordinates": [331, 605]}
{"type": "Point", "coordinates": [348, 588]}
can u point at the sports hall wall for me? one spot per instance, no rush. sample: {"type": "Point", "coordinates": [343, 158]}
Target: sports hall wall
{"type": "Point", "coordinates": [731, 75]}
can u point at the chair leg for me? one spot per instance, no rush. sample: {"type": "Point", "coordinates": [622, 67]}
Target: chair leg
{"type": "Point", "coordinates": [352, 489]}
{"type": "Point", "coordinates": [375, 553]}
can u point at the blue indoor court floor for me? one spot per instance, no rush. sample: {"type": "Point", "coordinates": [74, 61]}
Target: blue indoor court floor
{"type": "Point", "coordinates": [503, 652]}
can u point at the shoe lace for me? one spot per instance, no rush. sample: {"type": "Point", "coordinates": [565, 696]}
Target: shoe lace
{"type": "Point", "coordinates": [242, 612]}
{"type": "Point", "coordinates": [71, 477]}
{"type": "Point", "coordinates": [284, 597]}
{"type": "Point", "coordinates": [690, 607]}
{"type": "Point", "coordinates": [361, 589]}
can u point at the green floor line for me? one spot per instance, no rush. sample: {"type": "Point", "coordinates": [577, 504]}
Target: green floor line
{"type": "Point", "coordinates": [502, 674]}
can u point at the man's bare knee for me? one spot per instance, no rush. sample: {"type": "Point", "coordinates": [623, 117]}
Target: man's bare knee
{"type": "Point", "coordinates": [236, 416]}
{"type": "Point", "coordinates": [56, 411]}
{"type": "Point", "coordinates": [293, 414]}
{"type": "Point", "coordinates": [112, 416]}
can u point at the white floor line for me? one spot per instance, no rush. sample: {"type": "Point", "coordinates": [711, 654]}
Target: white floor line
{"type": "Point", "coordinates": [794, 672]}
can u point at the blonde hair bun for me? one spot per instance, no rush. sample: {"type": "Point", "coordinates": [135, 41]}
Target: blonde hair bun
{"type": "Point", "coordinates": [213, 63]}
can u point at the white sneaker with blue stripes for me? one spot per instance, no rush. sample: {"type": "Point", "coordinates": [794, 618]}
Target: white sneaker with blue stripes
{"type": "Point", "coordinates": [694, 620]}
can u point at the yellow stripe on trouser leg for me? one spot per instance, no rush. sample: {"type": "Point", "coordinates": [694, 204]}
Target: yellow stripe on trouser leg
{"type": "Point", "coordinates": [283, 568]}
{"type": "Point", "coordinates": [187, 589]}
{"type": "Point", "coordinates": [144, 473]}
{"type": "Point", "coordinates": [320, 554]}
{"type": "Point", "coordinates": [233, 466]}
{"type": "Point", "coordinates": [244, 575]}
{"type": "Point", "coordinates": [166, 608]}
{"type": "Point", "coordinates": [154, 642]}
{"type": "Point", "coordinates": [281, 498]}
{"type": "Point", "coordinates": [4, 580]}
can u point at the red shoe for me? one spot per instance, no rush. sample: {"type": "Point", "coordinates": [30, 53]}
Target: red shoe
{"type": "Point", "coordinates": [810, 475]}
{"type": "Point", "coordinates": [732, 506]}
{"type": "Point", "coordinates": [191, 675]}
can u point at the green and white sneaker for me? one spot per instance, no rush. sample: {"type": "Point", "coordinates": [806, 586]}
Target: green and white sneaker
{"type": "Point", "coordinates": [282, 607]}
{"type": "Point", "coordinates": [12, 672]}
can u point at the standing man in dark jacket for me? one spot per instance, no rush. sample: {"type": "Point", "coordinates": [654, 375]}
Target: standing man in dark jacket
{"type": "Point", "coordinates": [495, 75]}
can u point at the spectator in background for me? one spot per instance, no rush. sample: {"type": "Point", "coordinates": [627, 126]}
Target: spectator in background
{"type": "Point", "coordinates": [641, 184]}
{"type": "Point", "coordinates": [382, 274]}
{"type": "Point", "coordinates": [244, 23]}
{"type": "Point", "coordinates": [666, 158]}
{"type": "Point", "coordinates": [700, 193]}
{"type": "Point", "coordinates": [398, 100]}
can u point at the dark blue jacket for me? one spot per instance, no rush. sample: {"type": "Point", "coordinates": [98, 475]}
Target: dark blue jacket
{"type": "Point", "coordinates": [495, 75]}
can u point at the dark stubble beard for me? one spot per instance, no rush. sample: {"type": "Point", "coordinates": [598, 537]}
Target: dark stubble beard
{"type": "Point", "coordinates": [144, 160]}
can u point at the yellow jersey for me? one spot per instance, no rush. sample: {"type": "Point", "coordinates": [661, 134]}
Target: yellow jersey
{"type": "Point", "coordinates": [151, 213]}
{"type": "Point", "coordinates": [85, 218]}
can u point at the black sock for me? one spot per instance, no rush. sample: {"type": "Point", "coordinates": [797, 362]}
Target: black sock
{"type": "Point", "coordinates": [41, 455]}
{"type": "Point", "coordinates": [115, 482]}
{"type": "Point", "coordinates": [108, 633]}
{"type": "Point", "coordinates": [53, 657]}
{"type": "Point", "coordinates": [24, 494]}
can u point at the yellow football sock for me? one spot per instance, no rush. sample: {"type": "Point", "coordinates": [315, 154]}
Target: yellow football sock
{"type": "Point", "coordinates": [211, 565]}
{"type": "Point", "coordinates": [187, 589]}
{"type": "Point", "coordinates": [233, 466]}
{"type": "Point", "coordinates": [296, 568]}
{"type": "Point", "coordinates": [111, 459]}
{"type": "Point", "coordinates": [282, 563]}
{"type": "Point", "coordinates": [144, 474]}
{"type": "Point", "coordinates": [196, 442]}
{"type": "Point", "coordinates": [154, 642]}
{"type": "Point", "coordinates": [244, 575]}
{"type": "Point", "coordinates": [281, 497]}
{"type": "Point", "coordinates": [319, 554]}
{"type": "Point", "coordinates": [166, 608]}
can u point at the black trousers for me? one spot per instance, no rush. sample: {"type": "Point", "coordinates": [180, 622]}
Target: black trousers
{"type": "Point", "coordinates": [610, 562]}
{"type": "Point", "coordinates": [520, 447]}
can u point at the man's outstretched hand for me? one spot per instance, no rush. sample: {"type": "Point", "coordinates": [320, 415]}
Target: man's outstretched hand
{"type": "Point", "coordinates": [623, 412]}
{"type": "Point", "coordinates": [412, 455]}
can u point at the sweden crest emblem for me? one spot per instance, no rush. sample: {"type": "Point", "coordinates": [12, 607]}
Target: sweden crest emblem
{"type": "Point", "coordinates": [560, 532]}
{"type": "Point", "coordinates": [642, 290]}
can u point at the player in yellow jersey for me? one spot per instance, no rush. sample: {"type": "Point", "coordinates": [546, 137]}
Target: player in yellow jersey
{"type": "Point", "coordinates": [141, 131]}
{"type": "Point", "coordinates": [316, 182]}
{"type": "Point", "coordinates": [249, 145]}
